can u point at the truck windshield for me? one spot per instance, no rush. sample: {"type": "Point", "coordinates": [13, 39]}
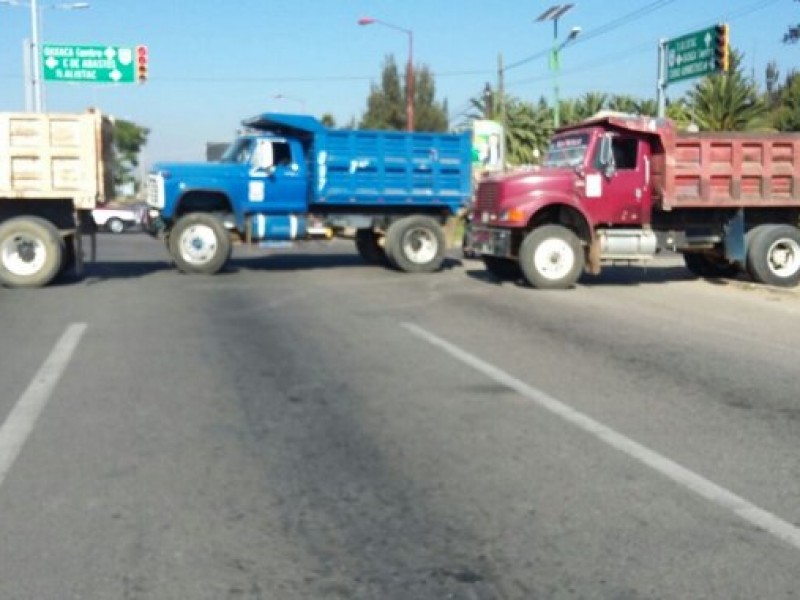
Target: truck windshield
{"type": "Point", "coordinates": [567, 150]}
{"type": "Point", "coordinates": [239, 151]}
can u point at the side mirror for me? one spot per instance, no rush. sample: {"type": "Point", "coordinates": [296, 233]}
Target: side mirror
{"type": "Point", "coordinates": [607, 156]}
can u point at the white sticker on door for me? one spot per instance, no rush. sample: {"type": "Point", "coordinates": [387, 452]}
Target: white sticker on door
{"type": "Point", "coordinates": [255, 192]}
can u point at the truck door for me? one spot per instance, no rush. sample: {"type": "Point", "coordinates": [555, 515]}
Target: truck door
{"type": "Point", "coordinates": [621, 185]}
{"type": "Point", "coordinates": [277, 181]}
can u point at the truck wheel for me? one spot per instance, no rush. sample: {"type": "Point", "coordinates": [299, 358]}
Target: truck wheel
{"type": "Point", "coordinates": [703, 265]}
{"type": "Point", "coordinates": [199, 243]}
{"type": "Point", "coordinates": [551, 257]}
{"type": "Point", "coordinates": [31, 252]}
{"type": "Point", "coordinates": [503, 269]}
{"type": "Point", "coordinates": [69, 256]}
{"type": "Point", "coordinates": [416, 244]}
{"type": "Point", "coordinates": [369, 247]}
{"type": "Point", "coordinates": [773, 255]}
{"type": "Point", "coordinates": [115, 225]}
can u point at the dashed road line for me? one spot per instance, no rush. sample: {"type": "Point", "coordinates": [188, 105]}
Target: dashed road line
{"type": "Point", "coordinates": [21, 420]}
{"type": "Point", "coordinates": [686, 478]}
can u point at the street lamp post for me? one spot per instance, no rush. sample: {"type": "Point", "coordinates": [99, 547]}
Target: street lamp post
{"type": "Point", "coordinates": [409, 67]}
{"type": "Point", "coordinates": [36, 18]}
{"type": "Point", "coordinates": [554, 13]}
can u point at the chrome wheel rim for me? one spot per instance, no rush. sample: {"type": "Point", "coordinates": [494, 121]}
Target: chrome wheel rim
{"type": "Point", "coordinates": [23, 255]}
{"type": "Point", "coordinates": [554, 259]}
{"type": "Point", "coordinates": [783, 257]}
{"type": "Point", "coordinates": [420, 246]}
{"type": "Point", "coordinates": [198, 244]}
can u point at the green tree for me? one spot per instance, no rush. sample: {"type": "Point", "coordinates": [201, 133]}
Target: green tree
{"type": "Point", "coordinates": [632, 105]}
{"type": "Point", "coordinates": [528, 131]}
{"type": "Point", "coordinates": [128, 141]}
{"type": "Point", "coordinates": [680, 113]}
{"type": "Point", "coordinates": [386, 104]}
{"type": "Point", "coordinates": [429, 115]}
{"type": "Point", "coordinates": [792, 33]}
{"type": "Point", "coordinates": [590, 104]}
{"type": "Point", "coordinates": [728, 101]}
{"type": "Point", "coordinates": [328, 120]}
{"type": "Point", "coordinates": [786, 116]}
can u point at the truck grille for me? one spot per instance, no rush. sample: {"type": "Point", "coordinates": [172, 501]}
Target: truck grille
{"type": "Point", "coordinates": [488, 192]}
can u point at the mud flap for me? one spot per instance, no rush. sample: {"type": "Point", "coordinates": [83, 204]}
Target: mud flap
{"type": "Point", "coordinates": [735, 246]}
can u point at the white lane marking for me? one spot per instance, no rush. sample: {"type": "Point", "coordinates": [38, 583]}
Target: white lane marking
{"type": "Point", "coordinates": [698, 484]}
{"type": "Point", "coordinates": [22, 418]}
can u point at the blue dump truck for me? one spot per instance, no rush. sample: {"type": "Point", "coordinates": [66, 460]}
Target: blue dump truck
{"type": "Point", "coordinates": [288, 178]}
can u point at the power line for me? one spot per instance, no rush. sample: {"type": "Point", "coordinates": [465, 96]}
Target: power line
{"type": "Point", "coordinates": [602, 29]}
{"type": "Point", "coordinates": [628, 52]}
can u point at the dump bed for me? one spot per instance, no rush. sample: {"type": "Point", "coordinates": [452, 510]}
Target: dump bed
{"type": "Point", "coordinates": [732, 170]}
{"type": "Point", "coordinates": [56, 156]}
{"type": "Point", "coordinates": [358, 168]}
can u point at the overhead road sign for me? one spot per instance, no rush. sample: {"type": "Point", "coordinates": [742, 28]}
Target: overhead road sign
{"type": "Point", "coordinates": [697, 54]}
{"type": "Point", "coordinates": [89, 64]}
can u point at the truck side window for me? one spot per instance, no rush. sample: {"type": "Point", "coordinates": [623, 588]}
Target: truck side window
{"type": "Point", "coordinates": [282, 154]}
{"type": "Point", "coordinates": [625, 152]}
{"type": "Point", "coordinates": [243, 152]}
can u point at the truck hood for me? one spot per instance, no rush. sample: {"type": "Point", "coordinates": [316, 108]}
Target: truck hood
{"type": "Point", "coordinates": [516, 188]}
{"type": "Point", "coordinates": [179, 170]}
{"type": "Point", "coordinates": [510, 199]}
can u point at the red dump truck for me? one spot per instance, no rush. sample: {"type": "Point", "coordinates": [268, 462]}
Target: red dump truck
{"type": "Point", "coordinates": [617, 189]}
{"type": "Point", "coordinates": [55, 168]}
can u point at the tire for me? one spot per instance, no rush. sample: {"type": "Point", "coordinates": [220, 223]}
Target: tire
{"type": "Point", "coordinates": [416, 244]}
{"type": "Point", "coordinates": [31, 252]}
{"type": "Point", "coordinates": [199, 243]}
{"type": "Point", "coordinates": [115, 225]}
{"type": "Point", "coordinates": [369, 247]}
{"type": "Point", "coordinates": [773, 255]}
{"type": "Point", "coordinates": [551, 257]}
{"type": "Point", "coordinates": [503, 269]}
{"type": "Point", "coordinates": [69, 256]}
{"type": "Point", "coordinates": [703, 265]}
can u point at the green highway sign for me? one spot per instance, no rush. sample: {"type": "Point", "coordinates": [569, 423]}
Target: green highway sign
{"type": "Point", "coordinates": [691, 55]}
{"type": "Point", "coordinates": [89, 64]}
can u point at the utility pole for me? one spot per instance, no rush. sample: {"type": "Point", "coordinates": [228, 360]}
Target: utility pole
{"type": "Point", "coordinates": [501, 95]}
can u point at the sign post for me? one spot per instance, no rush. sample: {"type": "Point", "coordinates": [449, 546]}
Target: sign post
{"type": "Point", "coordinates": [89, 64]}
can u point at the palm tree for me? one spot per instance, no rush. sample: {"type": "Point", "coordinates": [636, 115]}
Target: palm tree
{"type": "Point", "coordinates": [590, 104]}
{"type": "Point", "coordinates": [786, 116]}
{"type": "Point", "coordinates": [727, 102]}
{"type": "Point", "coordinates": [528, 131]}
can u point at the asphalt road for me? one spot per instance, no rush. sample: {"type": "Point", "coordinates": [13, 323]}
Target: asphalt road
{"type": "Point", "coordinates": [304, 426]}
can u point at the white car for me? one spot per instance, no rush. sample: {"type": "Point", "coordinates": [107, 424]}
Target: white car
{"type": "Point", "coordinates": [117, 218]}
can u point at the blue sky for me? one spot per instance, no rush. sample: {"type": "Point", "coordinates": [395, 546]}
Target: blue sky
{"type": "Point", "coordinates": [215, 62]}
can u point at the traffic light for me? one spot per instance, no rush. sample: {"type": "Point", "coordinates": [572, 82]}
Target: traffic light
{"type": "Point", "coordinates": [722, 50]}
{"type": "Point", "coordinates": [141, 64]}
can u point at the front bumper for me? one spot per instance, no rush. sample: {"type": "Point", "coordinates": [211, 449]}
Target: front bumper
{"type": "Point", "coordinates": [152, 222]}
{"type": "Point", "coordinates": [491, 241]}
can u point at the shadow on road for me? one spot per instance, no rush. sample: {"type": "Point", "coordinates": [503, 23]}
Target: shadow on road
{"type": "Point", "coordinates": [610, 276]}
{"type": "Point", "coordinates": [101, 271]}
